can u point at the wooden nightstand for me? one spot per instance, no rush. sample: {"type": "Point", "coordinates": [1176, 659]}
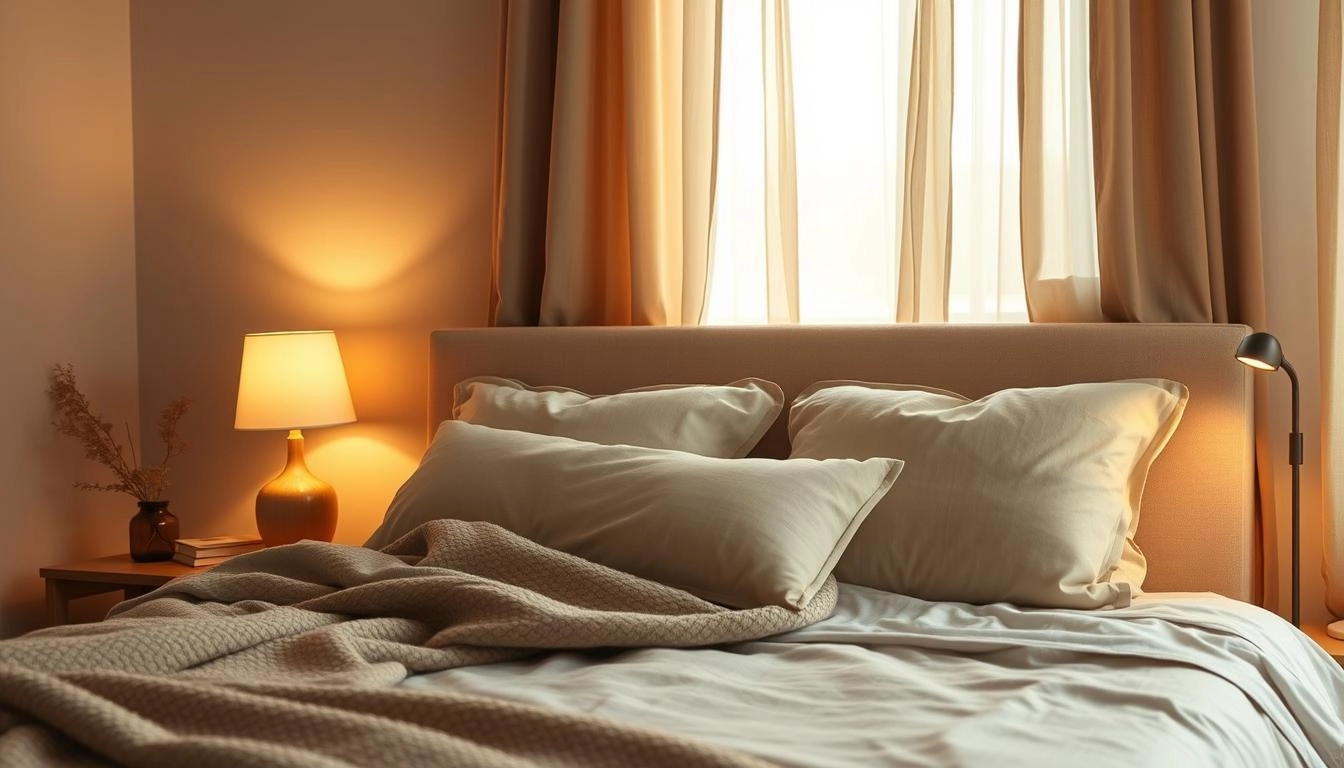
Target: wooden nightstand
{"type": "Point", "coordinates": [68, 581]}
{"type": "Point", "coordinates": [1331, 645]}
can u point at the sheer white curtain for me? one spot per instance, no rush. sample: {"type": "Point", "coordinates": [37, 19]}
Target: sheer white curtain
{"type": "Point", "coordinates": [987, 281]}
{"type": "Point", "coordinates": [840, 174]}
{"type": "Point", "coordinates": [1059, 206]}
{"type": "Point", "coordinates": [851, 133]}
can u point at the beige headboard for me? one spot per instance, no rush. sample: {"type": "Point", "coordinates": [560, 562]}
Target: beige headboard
{"type": "Point", "coordinates": [1197, 517]}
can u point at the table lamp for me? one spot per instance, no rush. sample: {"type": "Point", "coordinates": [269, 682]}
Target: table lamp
{"type": "Point", "coordinates": [1263, 352]}
{"type": "Point", "coordinates": [293, 380]}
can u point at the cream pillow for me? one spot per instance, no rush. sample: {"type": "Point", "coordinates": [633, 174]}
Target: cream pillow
{"type": "Point", "coordinates": [741, 532]}
{"type": "Point", "coordinates": [711, 420]}
{"type": "Point", "coordinates": [1029, 496]}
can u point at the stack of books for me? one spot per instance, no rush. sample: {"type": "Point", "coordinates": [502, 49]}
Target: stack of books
{"type": "Point", "coordinates": [213, 550]}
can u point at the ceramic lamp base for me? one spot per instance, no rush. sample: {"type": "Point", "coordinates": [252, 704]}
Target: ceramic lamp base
{"type": "Point", "coordinates": [1336, 630]}
{"type": "Point", "coordinates": [296, 505]}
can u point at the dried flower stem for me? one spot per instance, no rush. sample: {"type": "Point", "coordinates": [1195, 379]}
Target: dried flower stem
{"type": "Point", "coordinates": [75, 418]}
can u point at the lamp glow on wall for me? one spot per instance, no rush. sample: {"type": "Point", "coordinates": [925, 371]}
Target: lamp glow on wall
{"type": "Point", "coordinates": [293, 380]}
{"type": "Point", "coordinates": [1263, 352]}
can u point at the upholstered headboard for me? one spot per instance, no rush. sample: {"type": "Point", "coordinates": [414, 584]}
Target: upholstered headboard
{"type": "Point", "coordinates": [1197, 517]}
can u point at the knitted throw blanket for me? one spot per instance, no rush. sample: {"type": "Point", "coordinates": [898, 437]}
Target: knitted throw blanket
{"type": "Point", "coordinates": [287, 657]}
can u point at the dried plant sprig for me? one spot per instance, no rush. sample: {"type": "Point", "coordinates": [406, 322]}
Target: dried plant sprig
{"type": "Point", "coordinates": [74, 417]}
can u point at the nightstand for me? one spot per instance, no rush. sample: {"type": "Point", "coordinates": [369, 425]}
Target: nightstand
{"type": "Point", "coordinates": [68, 581]}
{"type": "Point", "coordinates": [1331, 645]}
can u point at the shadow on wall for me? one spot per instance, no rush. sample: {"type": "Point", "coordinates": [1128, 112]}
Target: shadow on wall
{"type": "Point", "coordinates": [70, 524]}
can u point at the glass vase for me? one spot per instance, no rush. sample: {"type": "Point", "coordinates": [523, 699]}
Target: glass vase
{"type": "Point", "coordinates": [153, 532]}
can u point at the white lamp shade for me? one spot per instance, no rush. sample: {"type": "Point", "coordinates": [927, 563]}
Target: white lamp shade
{"type": "Point", "coordinates": [292, 380]}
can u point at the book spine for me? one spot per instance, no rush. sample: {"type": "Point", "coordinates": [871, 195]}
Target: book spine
{"type": "Point", "coordinates": [200, 561]}
{"type": "Point", "coordinates": [236, 549]}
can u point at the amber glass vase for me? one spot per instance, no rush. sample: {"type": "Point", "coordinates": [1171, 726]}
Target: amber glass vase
{"type": "Point", "coordinates": [153, 532]}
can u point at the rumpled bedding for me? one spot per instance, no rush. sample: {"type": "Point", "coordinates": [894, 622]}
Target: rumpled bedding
{"type": "Point", "coordinates": [889, 680]}
{"type": "Point", "coordinates": [462, 644]}
{"type": "Point", "coordinates": [289, 656]}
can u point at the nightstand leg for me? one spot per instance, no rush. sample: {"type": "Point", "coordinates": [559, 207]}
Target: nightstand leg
{"type": "Point", "coordinates": [58, 603]}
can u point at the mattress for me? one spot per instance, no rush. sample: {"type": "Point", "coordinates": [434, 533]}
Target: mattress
{"type": "Point", "coordinates": [1190, 679]}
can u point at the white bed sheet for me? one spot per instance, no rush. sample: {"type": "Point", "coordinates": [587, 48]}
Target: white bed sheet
{"type": "Point", "coordinates": [1176, 679]}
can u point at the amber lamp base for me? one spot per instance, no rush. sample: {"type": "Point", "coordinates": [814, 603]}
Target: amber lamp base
{"type": "Point", "coordinates": [296, 505]}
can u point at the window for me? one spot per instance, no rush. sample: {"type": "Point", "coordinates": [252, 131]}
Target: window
{"type": "Point", "coordinates": [834, 80]}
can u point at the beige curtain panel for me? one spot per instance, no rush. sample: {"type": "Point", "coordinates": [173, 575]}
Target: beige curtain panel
{"type": "Point", "coordinates": [605, 168]}
{"type": "Point", "coordinates": [1331, 288]}
{"type": "Point", "coordinates": [1178, 190]}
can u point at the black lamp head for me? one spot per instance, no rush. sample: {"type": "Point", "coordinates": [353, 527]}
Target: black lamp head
{"type": "Point", "coordinates": [1260, 350]}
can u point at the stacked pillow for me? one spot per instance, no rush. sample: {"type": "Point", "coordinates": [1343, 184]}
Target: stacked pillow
{"type": "Point", "coordinates": [1029, 496]}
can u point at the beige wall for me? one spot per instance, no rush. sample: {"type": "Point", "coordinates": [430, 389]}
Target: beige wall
{"type": "Point", "coordinates": [1285, 91]}
{"type": "Point", "coordinates": [307, 164]}
{"type": "Point", "coordinates": [67, 279]}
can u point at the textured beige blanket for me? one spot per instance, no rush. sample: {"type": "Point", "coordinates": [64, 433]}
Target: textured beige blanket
{"type": "Point", "coordinates": [285, 657]}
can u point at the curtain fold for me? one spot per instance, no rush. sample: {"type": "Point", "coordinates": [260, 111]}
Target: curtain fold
{"type": "Point", "coordinates": [1058, 207]}
{"type": "Point", "coordinates": [926, 222]}
{"type": "Point", "coordinates": [605, 176]}
{"type": "Point", "coordinates": [781, 165]}
{"type": "Point", "coordinates": [1177, 172]}
{"type": "Point", "coordinates": [1177, 175]}
{"type": "Point", "coordinates": [701, 60]}
{"type": "Point", "coordinates": [1330, 287]}
{"type": "Point", "coordinates": [526, 95]}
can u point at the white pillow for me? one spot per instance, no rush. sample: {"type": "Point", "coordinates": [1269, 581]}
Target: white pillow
{"type": "Point", "coordinates": [1029, 496]}
{"type": "Point", "coordinates": [741, 532]}
{"type": "Point", "coordinates": [711, 420]}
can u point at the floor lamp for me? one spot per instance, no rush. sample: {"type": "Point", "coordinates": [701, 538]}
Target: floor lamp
{"type": "Point", "coordinates": [1263, 352]}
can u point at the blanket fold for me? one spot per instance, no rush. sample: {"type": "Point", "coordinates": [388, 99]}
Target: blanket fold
{"type": "Point", "coordinates": [284, 657]}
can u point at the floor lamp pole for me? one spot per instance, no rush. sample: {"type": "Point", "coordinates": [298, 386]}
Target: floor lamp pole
{"type": "Point", "coordinates": [1263, 352]}
{"type": "Point", "coordinates": [1295, 458]}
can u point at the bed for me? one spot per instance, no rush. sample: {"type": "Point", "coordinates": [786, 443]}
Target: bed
{"type": "Point", "coordinates": [451, 639]}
